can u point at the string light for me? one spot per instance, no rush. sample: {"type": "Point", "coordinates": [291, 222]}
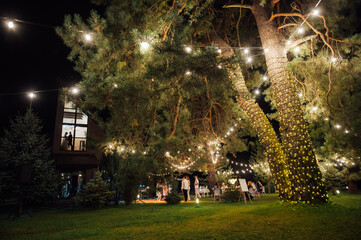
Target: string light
{"type": "Point", "coordinates": [188, 73]}
{"type": "Point", "coordinates": [338, 126]}
{"type": "Point", "coordinates": [88, 37]}
{"type": "Point", "coordinates": [188, 49]}
{"type": "Point", "coordinates": [115, 85]}
{"type": "Point", "coordinates": [11, 25]}
{"type": "Point", "coordinates": [314, 108]}
{"type": "Point", "coordinates": [75, 90]}
{"type": "Point", "coordinates": [315, 12]}
{"type": "Point", "coordinates": [249, 59]}
{"type": "Point", "coordinates": [246, 50]}
{"type": "Point", "coordinates": [300, 30]}
{"type": "Point", "coordinates": [219, 51]}
{"type": "Point", "coordinates": [300, 94]}
{"type": "Point", "coordinates": [297, 49]}
{"type": "Point", "coordinates": [334, 60]}
{"type": "Point", "coordinates": [265, 78]}
{"type": "Point", "coordinates": [347, 131]}
{"type": "Point", "coordinates": [257, 92]}
{"type": "Point", "coordinates": [31, 95]}
{"type": "Point", "coordinates": [144, 46]}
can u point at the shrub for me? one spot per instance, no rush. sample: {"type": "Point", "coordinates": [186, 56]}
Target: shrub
{"type": "Point", "coordinates": [173, 198]}
{"type": "Point", "coordinates": [230, 195]}
{"type": "Point", "coordinates": [95, 193]}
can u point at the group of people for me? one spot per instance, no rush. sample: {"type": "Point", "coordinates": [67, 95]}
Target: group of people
{"type": "Point", "coordinates": [186, 187]}
{"type": "Point", "coordinates": [161, 190]}
{"type": "Point", "coordinates": [67, 141]}
{"type": "Point", "coordinates": [255, 189]}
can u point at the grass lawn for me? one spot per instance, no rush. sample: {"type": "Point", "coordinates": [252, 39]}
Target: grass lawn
{"type": "Point", "coordinates": [266, 218]}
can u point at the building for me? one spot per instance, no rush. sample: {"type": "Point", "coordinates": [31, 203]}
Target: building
{"type": "Point", "coordinates": [75, 162]}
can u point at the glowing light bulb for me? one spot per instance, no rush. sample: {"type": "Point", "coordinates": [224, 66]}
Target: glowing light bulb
{"type": "Point", "coordinates": [31, 95]}
{"type": "Point", "coordinates": [326, 119]}
{"type": "Point", "coordinates": [75, 90]}
{"type": "Point", "coordinates": [110, 146]}
{"type": "Point", "coordinates": [115, 85]}
{"type": "Point", "coordinates": [300, 30]}
{"type": "Point", "coordinates": [188, 49]}
{"type": "Point", "coordinates": [144, 45]}
{"type": "Point", "coordinates": [334, 60]}
{"type": "Point", "coordinates": [122, 149]}
{"type": "Point", "coordinates": [144, 153]}
{"type": "Point", "coordinates": [297, 50]}
{"type": "Point", "coordinates": [338, 126]}
{"type": "Point", "coordinates": [219, 51]}
{"type": "Point", "coordinates": [288, 42]}
{"type": "Point", "coordinates": [266, 50]}
{"type": "Point", "coordinates": [246, 51]}
{"type": "Point", "coordinates": [265, 78]}
{"type": "Point", "coordinates": [315, 12]}
{"type": "Point", "coordinates": [166, 153]}
{"type": "Point", "coordinates": [347, 131]}
{"type": "Point", "coordinates": [219, 66]}
{"type": "Point", "coordinates": [249, 59]}
{"type": "Point", "coordinates": [257, 92]}
{"type": "Point", "coordinates": [188, 73]}
{"type": "Point", "coordinates": [133, 151]}
{"type": "Point", "coordinates": [11, 25]}
{"type": "Point", "coordinates": [300, 94]}
{"type": "Point", "coordinates": [88, 37]}
{"type": "Point", "coordinates": [314, 108]}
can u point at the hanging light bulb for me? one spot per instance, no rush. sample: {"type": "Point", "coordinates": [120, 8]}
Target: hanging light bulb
{"type": "Point", "coordinates": [257, 92]}
{"type": "Point", "coordinates": [246, 50]}
{"type": "Point", "coordinates": [188, 73]}
{"type": "Point", "coordinates": [315, 12]}
{"type": "Point", "coordinates": [338, 126]}
{"type": "Point", "coordinates": [265, 78]}
{"type": "Point", "coordinates": [88, 37]}
{"type": "Point", "coordinates": [144, 46]}
{"type": "Point", "coordinates": [31, 95]}
{"type": "Point", "coordinates": [188, 49]}
{"type": "Point", "coordinates": [300, 30]}
{"type": "Point", "coordinates": [75, 90]}
{"type": "Point", "coordinates": [249, 59]}
{"type": "Point", "coordinates": [11, 25]}
{"type": "Point", "coordinates": [219, 51]}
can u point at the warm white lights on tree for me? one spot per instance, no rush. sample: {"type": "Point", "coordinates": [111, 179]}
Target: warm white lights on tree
{"type": "Point", "coordinates": [88, 37]}
{"type": "Point", "coordinates": [219, 51]}
{"type": "Point", "coordinates": [249, 59]}
{"type": "Point", "coordinates": [338, 126]}
{"type": "Point", "coordinates": [144, 45]}
{"type": "Point", "coordinates": [300, 94]}
{"type": "Point", "coordinates": [314, 108]}
{"type": "Point", "coordinates": [246, 50]}
{"type": "Point", "coordinates": [300, 30]}
{"type": "Point", "coordinates": [188, 49]}
{"type": "Point", "coordinates": [188, 73]}
{"type": "Point", "coordinates": [315, 12]}
{"type": "Point", "coordinates": [297, 50]}
{"type": "Point", "coordinates": [334, 60]}
{"type": "Point", "coordinates": [257, 92]}
{"type": "Point", "coordinates": [75, 90]}
{"type": "Point", "coordinates": [265, 78]}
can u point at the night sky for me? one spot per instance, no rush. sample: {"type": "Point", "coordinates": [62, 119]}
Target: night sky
{"type": "Point", "coordinates": [33, 57]}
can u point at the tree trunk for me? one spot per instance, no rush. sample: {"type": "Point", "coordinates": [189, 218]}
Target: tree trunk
{"type": "Point", "coordinates": [306, 176]}
{"type": "Point", "coordinates": [266, 134]}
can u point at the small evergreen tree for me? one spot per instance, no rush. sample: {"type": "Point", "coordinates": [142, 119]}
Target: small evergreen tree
{"type": "Point", "coordinates": [95, 193]}
{"type": "Point", "coordinates": [24, 152]}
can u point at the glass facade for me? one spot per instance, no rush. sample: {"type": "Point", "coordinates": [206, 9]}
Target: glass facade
{"type": "Point", "coordinates": [74, 129]}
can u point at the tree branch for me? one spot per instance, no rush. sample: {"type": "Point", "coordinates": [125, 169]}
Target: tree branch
{"type": "Point", "coordinates": [238, 6]}
{"type": "Point", "coordinates": [176, 117]}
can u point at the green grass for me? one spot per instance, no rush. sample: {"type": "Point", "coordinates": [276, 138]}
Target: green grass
{"type": "Point", "coordinates": [266, 218]}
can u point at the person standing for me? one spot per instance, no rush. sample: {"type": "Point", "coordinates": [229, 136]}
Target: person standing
{"type": "Point", "coordinates": [185, 188]}
{"type": "Point", "coordinates": [165, 189]}
{"type": "Point", "coordinates": [64, 143]}
{"type": "Point", "coordinates": [196, 187]}
{"type": "Point", "coordinates": [189, 190]}
{"type": "Point", "coordinates": [70, 141]}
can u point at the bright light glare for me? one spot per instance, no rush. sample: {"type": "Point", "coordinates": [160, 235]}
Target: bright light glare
{"type": "Point", "coordinates": [246, 51]}
{"type": "Point", "coordinates": [75, 90]}
{"type": "Point", "coordinates": [315, 12]}
{"type": "Point", "coordinates": [219, 51]}
{"type": "Point", "coordinates": [338, 126]}
{"type": "Point", "coordinates": [347, 131]}
{"type": "Point", "coordinates": [300, 30]}
{"type": "Point", "coordinates": [334, 60]}
{"type": "Point", "coordinates": [11, 24]}
{"type": "Point", "coordinates": [266, 50]}
{"type": "Point", "coordinates": [88, 37]}
{"type": "Point", "coordinates": [31, 95]}
{"type": "Point", "coordinates": [297, 50]}
{"type": "Point", "coordinates": [288, 42]}
{"type": "Point", "coordinates": [326, 119]}
{"type": "Point", "coordinates": [265, 78]}
{"type": "Point", "coordinates": [257, 92]}
{"type": "Point", "coordinates": [314, 109]}
{"type": "Point", "coordinates": [188, 73]}
{"type": "Point", "coordinates": [219, 66]}
{"type": "Point", "coordinates": [115, 85]}
{"type": "Point", "coordinates": [144, 45]}
{"type": "Point", "coordinates": [249, 59]}
{"type": "Point", "coordinates": [300, 94]}
{"type": "Point", "coordinates": [188, 49]}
